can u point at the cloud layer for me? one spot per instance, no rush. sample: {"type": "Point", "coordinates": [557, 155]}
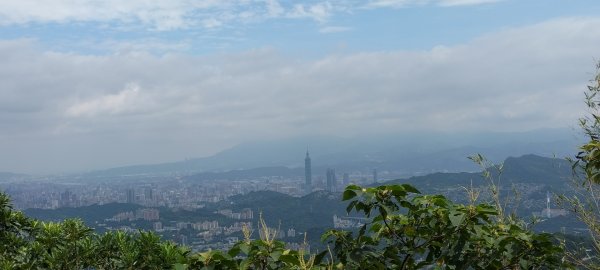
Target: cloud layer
{"type": "Point", "coordinates": [158, 15]}
{"type": "Point", "coordinates": [164, 15]}
{"type": "Point", "coordinates": [442, 3]}
{"type": "Point", "coordinates": [67, 111]}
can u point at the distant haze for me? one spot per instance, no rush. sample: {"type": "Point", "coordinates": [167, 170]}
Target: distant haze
{"type": "Point", "coordinates": [87, 86]}
{"type": "Point", "coordinates": [398, 155]}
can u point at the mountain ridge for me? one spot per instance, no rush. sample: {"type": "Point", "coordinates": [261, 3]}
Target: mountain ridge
{"type": "Point", "coordinates": [402, 153]}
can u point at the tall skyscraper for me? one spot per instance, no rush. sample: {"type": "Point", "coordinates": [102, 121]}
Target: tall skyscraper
{"type": "Point", "coordinates": [307, 174]}
{"type": "Point", "coordinates": [374, 175]}
{"type": "Point", "coordinates": [130, 196]}
{"type": "Point", "coordinates": [548, 212]}
{"type": "Point", "coordinates": [148, 194]}
{"type": "Point", "coordinates": [331, 180]}
{"type": "Point", "coordinates": [66, 199]}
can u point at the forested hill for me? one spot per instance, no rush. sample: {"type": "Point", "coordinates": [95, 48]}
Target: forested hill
{"type": "Point", "coordinates": [303, 213]}
{"type": "Point", "coordinates": [530, 169]}
{"type": "Point", "coordinates": [87, 213]}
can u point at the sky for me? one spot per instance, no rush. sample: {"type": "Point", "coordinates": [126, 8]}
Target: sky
{"type": "Point", "coordinates": [87, 84]}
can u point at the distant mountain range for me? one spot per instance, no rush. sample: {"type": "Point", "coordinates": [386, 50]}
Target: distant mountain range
{"type": "Point", "coordinates": [405, 154]}
{"type": "Point", "coordinates": [532, 169]}
{"type": "Point", "coordinates": [250, 173]}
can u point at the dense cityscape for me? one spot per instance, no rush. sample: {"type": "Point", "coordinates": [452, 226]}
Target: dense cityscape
{"type": "Point", "coordinates": [153, 195]}
{"type": "Point", "coordinates": [168, 191]}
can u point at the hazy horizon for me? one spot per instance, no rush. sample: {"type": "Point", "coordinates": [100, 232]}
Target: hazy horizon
{"type": "Point", "coordinates": [289, 151]}
{"type": "Point", "coordinates": [92, 85]}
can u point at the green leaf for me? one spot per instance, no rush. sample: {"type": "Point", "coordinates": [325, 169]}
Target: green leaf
{"type": "Point", "coordinates": [348, 194]}
{"type": "Point", "coordinates": [289, 259]}
{"type": "Point", "coordinates": [456, 219]}
{"type": "Point", "coordinates": [275, 255]}
{"type": "Point", "coordinates": [245, 248]}
{"type": "Point", "coordinates": [353, 187]}
{"type": "Point", "coordinates": [179, 266]}
{"type": "Point", "coordinates": [245, 264]}
{"type": "Point", "coordinates": [410, 188]}
{"type": "Point", "coordinates": [320, 256]}
{"type": "Point", "coordinates": [350, 206]}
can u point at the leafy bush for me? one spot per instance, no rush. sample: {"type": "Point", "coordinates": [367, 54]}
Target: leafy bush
{"type": "Point", "coordinates": [413, 231]}
{"type": "Point", "coordinates": [586, 180]}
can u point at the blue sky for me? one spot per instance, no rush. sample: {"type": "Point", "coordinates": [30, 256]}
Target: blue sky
{"type": "Point", "coordinates": [92, 84]}
{"type": "Point", "coordinates": [343, 26]}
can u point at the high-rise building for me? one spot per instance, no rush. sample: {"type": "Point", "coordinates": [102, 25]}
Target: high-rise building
{"type": "Point", "coordinates": [374, 175]}
{"type": "Point", "coordinates": [66, 199]}
{"type": "Point", "coordinates": [148, 194]}
{"type": "Point", "coordinates": [184, 240]}
{"type": "Point", "coordinates": [130, 196]}
{"type": "Point", "coordinates": [548, 204]}
{"type": "Point", "coordinates": [331, 180]}
{"type": "Point", "coordinates": [307, 174]}
{"type": "Point", "coordinates": [157, 226]}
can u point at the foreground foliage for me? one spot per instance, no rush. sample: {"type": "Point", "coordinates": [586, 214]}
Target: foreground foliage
{"type": "Point", "coordinates": [406, 230]}
{"type": "Point", "coordinates": [586, 181]}
{"type": "Point", "coordinates": [422, 231]}
{"type": "Point", "coordinates": [30, 244]}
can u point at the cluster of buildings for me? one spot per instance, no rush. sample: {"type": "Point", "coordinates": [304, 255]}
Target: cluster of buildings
{"type": "Point", "coordinates": [171, 193]}
{"type": "Point", "coordinates": [246, 213]}
{"type": "Point", "coordinates": [332, 183]}
{"type": "Point", "coordinates": [168, 191]}
{"type": "Point", "coordinates": [550, 212]}
{"type": "Point", "coordinates": [206, 234]}
{"type": "Point", "coordinates": [147, 214]}
{"type": "Point", "coordinates": [276, 233]}
{"type": "Point", "coordinates": [348, 222]}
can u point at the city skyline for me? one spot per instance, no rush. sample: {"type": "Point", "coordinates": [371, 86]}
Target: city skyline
{"type": "Point", "coordinates": [307, 174]}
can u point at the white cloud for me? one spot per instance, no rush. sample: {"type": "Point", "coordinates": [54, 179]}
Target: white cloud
{"type": "Point", "coordinates": [211, 23]}
{"type": "Point", "coordinates": [146, 45]}
{"type": "Point", "coordinates": [165, 15]}
{"type": "Point", "coordinates": [157, 15]}
{"type": "Point", "coordinates": [124, 101]}
{"type": "Point", "coordinates": [274, 8]}
{"type": "Point", "coordinates": [161, 14]}
{"type": "Point", "coordinates": [319, 12]}
{"type": "Point", "coordinates": [443, 3]}
{"type": "Point", "coordinates": [517, 79]}
{"type": "Point", "coordinates": [394, 3]}
{"type": "Point", "coordinates": [334, 29]}
{"type": "Point", "coordinates": [450, 3]}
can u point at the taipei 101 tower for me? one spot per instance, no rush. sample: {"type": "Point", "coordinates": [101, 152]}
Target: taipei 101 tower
{"type": "Point", "coordinates": [307, 174]}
